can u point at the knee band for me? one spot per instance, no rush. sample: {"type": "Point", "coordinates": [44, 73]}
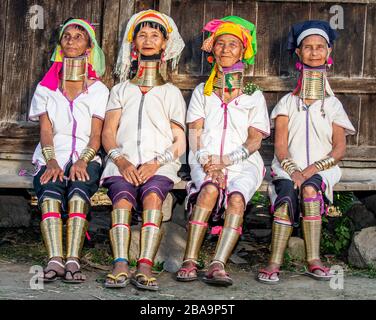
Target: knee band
{"type": "Point", "coordinates": [282, 230]}
{"type": "Point", "coordinates": [77, 226]}
{"type": "Point", "coordinates": [196, 232]}
{"type": "Point", "coordinates": [231, 231]}
{"type": "Point", "coordinates": [52, 227]}
{"type": "Point", "coordinates": [120, 234]}
{"type": "Point", "coordinates": [312, 227]}
{"type": "Point", "coordinates": [150, 235]}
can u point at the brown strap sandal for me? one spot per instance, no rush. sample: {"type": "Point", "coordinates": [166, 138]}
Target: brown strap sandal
{"type": "Point", "coordinates": [56, 276]}
{"type": "Point", "coordinates": [72, 274]}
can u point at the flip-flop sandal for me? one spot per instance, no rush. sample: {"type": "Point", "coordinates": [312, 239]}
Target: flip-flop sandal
{"type": "Point", "coordinates": [117, 283]}
{"type": "Point", "coordinates": [56, 276]}
{"type": "Point", "coordinates": [141, 285]}
{"type": "Point", "coordinates": [269, 274]}
{"type": "Point", "coordinates": [187, 271]}
{"type": "Point", "coordinates": [218, 281]}
{"type": "Point", "coordinates": [51, 279]}
{"type": "Point", "coordinates": [73, 280]}
{"type": "Point", "coordinates": [311, 273]}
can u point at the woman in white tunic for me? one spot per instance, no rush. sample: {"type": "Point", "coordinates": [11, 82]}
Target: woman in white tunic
{"type": "Point", "coordinates": [310, 139]}
{"type": "Point", "coordinates": [144, 137]}
{"type": "Point", "coordinates": [226, 127]}
{"type": "Point", "coordinates": [70, 104]}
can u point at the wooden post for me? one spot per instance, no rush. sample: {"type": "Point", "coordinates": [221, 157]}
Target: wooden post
{"type": "Point", "coordinates": [165, 6]}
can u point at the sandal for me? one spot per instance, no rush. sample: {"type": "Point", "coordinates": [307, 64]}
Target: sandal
{"type": "Point", "coordinates": [187, 271]}
{"type": "Point", "coordinates": [219, 281]}
{"type": "Point", "coordinates": [56, 275]}
{"type": "Point", "coordinates": [73, 280]}
{"type": "Point", "coordinates": [117, 283]}
{"type": "Point", "coordinates": [311, 273]}
{"type": "Point", "coordinates": [147, 280]}
{"type": "Point", "coordinates": [268, 280]}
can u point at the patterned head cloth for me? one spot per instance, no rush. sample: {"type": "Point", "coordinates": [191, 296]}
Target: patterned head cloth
{"type": "Point", "coordinates": [96, 58]}
{"type": "Point", "coordinates": [238, 27]}
{"type": "Point", "coordinates": [174, 47]}
{"type": "Point", "coordinates": [301, 30]}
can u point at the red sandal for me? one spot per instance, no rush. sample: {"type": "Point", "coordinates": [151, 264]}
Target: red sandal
{"type": "Point", "coordinates": [187, 271]}
{"type": "Point", "coordinates": [268, 280]}
{"type": "Point", "coordinates": [325, 277]}
{"type": "Point", "coordinates": [219, 281]}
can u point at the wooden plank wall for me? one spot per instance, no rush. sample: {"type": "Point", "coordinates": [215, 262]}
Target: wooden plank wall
{"type": "Point", "coordinates": [24, 55]}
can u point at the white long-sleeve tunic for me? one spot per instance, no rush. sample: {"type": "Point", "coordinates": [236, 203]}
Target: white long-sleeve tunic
{"type": "Point", "coordinates": [144, 130]}
{"type": "Point", "coordinates": [71, 120]}
{"type": "Point", "coordinates": [225, 129]}
{"type": "Point", "coordinates": [310, 135]}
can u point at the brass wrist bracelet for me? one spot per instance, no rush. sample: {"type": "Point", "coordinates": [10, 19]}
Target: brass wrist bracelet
{"type": "Point", "coordinates": [289, 166]}
{"type": "Point", "coordinates": [88, 154]}
{"type": "Point", "coordinates": [48, 153]}
{"type": "Point", "coordinates": [325, 163]}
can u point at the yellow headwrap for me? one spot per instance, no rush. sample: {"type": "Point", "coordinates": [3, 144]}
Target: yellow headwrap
{"type": "Point", "coordinates": [240, 28]}
{"type": "Point", "coordinates": [239, 32]}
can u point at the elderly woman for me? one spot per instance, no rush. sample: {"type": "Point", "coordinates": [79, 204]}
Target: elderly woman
{"type": "Point", "coordinates": [226, 126]}
{"type": "Point", "coordinates": [70, 104]}
{"type": "Point", "coordinates": [310, 139]}
{"type": "Point", "coordinates": [144, 138]}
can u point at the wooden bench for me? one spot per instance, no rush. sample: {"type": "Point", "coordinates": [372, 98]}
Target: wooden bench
{"type": "Point", "coordinates": [353, 179]}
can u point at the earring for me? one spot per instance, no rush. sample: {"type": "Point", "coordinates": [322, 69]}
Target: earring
{"type": "Point", "coordinates": [134, 53]}
{"type": "Point", "coordinates": [210, 59]}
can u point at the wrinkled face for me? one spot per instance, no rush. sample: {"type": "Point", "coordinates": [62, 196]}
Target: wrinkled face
{"type": "Point", "coordinates": [150, 41]}
{"type": "Point", "coordinates": [74, 42]}
{"type": "Point", "coordinates": [314, 51]}
{"type": "Point", "coordinates": [227, 50]}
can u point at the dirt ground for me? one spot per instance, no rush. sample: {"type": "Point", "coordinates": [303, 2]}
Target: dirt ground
{"type": "Point", "coordinates": [22, 254]}
{"type": "Point", "coordinates": [16, 283]}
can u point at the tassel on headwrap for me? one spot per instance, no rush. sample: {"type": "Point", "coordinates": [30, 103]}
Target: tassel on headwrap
{"type": "Point", "coordinates": [209, 84]}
